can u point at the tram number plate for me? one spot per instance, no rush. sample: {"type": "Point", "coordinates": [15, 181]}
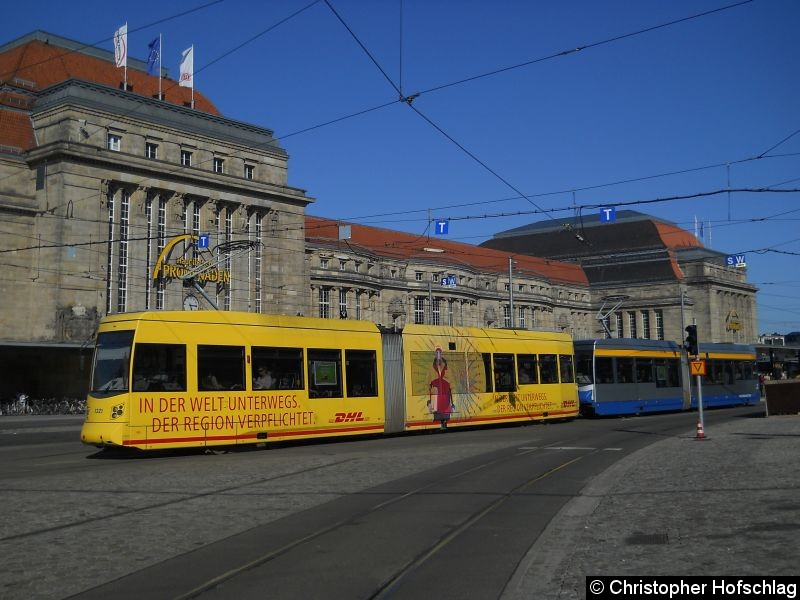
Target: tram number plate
{"type": "Point", "coordinates": [697, 367]}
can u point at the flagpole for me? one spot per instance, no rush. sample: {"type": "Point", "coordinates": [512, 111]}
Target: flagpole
{"type": "Point", "coordinates": [160, 54]}
{"type": "Point", "coordinates": [125, 78]}
{"type": "Point", "coordinates": [193, 76]}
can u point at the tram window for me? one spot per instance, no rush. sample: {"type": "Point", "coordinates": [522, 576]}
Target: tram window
{"type": "Point", "coordinates": [565, 368]}
{"type": "Point", "coordinates": [583, 369]}
{"type": "Point", "coordinates": [728, 371]}
{"type": "Point", "coordinates": [526, 366]}
{"type": "Point", "coordinates": [714, 375]}
{"type": "Point", "coordinates": [111, 362]}
{"type": "Point", "coordinates": [604, 369]}
{"type": "Point", "coordinates": [487, 370]}
{"type": "Point", "coordinates": [644, 370]}
{"type": "Point", "coordinates": [220, 368]}
{"type": "Point", "coordinates": [504, 380]}
{"type": "Point", "coordinates": [361, 373]}
{"type": "Point", "coordinates": [159, 367]}
{"type": "Point", "coordinates": [624, 370]}
{"type": "Point", "coordinates": [548, 368]}
{"type": "Point", "coordinates": [282, 368]}
{"type": "Point", "coordinates": [667, 372]}
{"type": "Point", "coordinates": [744, 370]}
{"type": "Point", "coordinates": [324, 373]}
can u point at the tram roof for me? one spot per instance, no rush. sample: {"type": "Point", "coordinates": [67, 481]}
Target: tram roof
{"type": "Point", "coordinates": [224, 317]}
{"type": "Point", "coordinates": [629, 344]}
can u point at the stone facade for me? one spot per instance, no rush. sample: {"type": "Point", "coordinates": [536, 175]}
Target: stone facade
{"type": "Point", "coordinates": [95, 184]}
{"type": "Point", "coordinates": [138, 172]}
{"type": "Point", "coordinates": [648, 276]}
{"type": "Point", "coordinates": [392, 278]}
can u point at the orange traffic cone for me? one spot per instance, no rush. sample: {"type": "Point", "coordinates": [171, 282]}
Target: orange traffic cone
{"type": "Point", "coordinates": [700, 433]}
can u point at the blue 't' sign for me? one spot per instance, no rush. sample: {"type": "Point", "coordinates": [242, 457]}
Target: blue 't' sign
{"type": "Point", "coordinates": [442, 227]}
{"type": "Point", "coordinates": [607, 215]}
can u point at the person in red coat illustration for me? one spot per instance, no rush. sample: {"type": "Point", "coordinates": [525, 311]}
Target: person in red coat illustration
{"type": "Point", "coordinates": [440, 395]}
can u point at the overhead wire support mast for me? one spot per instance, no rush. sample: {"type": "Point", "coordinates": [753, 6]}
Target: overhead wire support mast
{"type": "Point", "coordinates": [225, 252]}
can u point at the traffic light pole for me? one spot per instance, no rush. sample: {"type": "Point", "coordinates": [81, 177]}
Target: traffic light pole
{"type": "Point", "coordinates": [693, 348]}
{"type": "Point", "coordinates": [702, 427]}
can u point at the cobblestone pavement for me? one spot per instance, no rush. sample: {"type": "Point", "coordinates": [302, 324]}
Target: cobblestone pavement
{"type": "Point", "coordinates": [725, 505]}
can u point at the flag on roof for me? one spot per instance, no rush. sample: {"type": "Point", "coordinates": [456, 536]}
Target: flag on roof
{"type": "Point", "coordinates": [154, 56]}
{"type": "Point", "coordinates": [187, 68]}
{"type": "Point", "coordinates": [121, 46]}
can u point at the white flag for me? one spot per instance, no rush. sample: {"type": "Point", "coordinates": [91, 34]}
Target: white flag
{"type": "Point", "coordinates": [187, 68]}
{"type": "Point", "coordinates": [121, 46]}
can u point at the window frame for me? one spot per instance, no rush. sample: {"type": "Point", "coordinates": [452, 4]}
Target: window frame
{"type": "Point", "coordinates": [527, 365]}
{"type": "Point", "coordinates": [285, 364]}
{"type": "Point", "coordinates": [354, 362]}
{"type": "Point", "coordinates": [548, 368]}
{"type": "Point", "coordinates": [211, 361]}
{"type": "Point", "coordinates": [170, 376]}
{"type": "Point", "coordinates": [505, 377]}
{"type": "Point", "coordinates": [566, 368]}
{"type": "Point", "coordinates": [114, 142]}
{"type": "Point", "coordinates": [319, 366]}
{"type": "Point", "coordinates": [324, 303]}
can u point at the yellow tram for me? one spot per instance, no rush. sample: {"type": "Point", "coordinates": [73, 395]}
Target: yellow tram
{"type": "Point", "coordinates": [188, 379]}
{"type": "Point", "coordinates": [492, 375]}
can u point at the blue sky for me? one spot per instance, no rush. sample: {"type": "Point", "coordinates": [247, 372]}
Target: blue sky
{"type": "Point", "coordinates": [720, 89]}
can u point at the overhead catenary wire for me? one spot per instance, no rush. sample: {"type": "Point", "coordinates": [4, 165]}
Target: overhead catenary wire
{"type": "Point", "coordinates": [759, 156]}
{"type": "Point", "coordinates": [521, 195]}
{"type": "Point", "coordinates": [174, 84]}
{"type": "Point", "coordinates": [427, 119]}
{"type": "Point", "coordinates": [554, 55]}
{"type": "Point", "coordinates": [108, 39]}
{"type": "Point", "coordinates": [301, 226]}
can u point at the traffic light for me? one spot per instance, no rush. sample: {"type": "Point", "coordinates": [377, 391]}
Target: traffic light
{"type": "Point", "coordinates": [691, 340]}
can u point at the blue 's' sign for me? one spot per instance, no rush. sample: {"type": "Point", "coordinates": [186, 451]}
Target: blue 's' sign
{"type": "Point", "coordinates": [735, 260]}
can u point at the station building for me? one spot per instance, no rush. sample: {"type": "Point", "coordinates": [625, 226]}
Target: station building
{"type": "Point", "coordinates": [116, 197]}
{"type": "Point", "coordinates": [96, 181]}
{"type": "Point", "coordinates": [393, 278]}
{"type": "Point", "coordinates": [649, 278]}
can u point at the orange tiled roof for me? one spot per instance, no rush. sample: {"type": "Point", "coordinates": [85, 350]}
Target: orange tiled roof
{"type": "Point", "coordinates": [16, 130]}
{"type": "Point", "coordinates": [403, 246]}
{"type": "Point", "coordinates": [675, 237]}
{"type": "Point", "coordinates": [45, 65]}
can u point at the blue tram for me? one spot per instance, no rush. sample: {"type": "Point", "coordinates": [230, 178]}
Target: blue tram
{"type": "Point", "coordinates": [633, 376]}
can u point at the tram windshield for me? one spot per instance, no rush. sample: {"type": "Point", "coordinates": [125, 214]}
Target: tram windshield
{"type": "Point", "coordinates": [583, 369]}
{"type": "Point", "coordinates": [112, 356]}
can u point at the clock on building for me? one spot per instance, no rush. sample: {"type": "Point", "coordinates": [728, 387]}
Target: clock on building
{"type": "Point", "coordinates": [190, 303]}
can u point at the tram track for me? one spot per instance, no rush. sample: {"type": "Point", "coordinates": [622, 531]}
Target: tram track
{"type": "Point", "coordinates": [216, 581]}
{"type": "Point", "coordinates": [402, 581]}
{"type": "Point", "coordinates": [148, 507]}
{"type": "Point", "coordinates": [386, 590]}
{"type": "Point", "coordinates": [392, 538]}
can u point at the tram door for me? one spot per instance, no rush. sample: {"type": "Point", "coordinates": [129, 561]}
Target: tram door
{"type": "Point", "coordinates": [686, 381]}
{"type": "Point", "coordinates": [394, 387]}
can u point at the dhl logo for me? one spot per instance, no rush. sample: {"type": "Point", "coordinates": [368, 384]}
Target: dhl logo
{"type": "Point", "coordinates": [349, 417]}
